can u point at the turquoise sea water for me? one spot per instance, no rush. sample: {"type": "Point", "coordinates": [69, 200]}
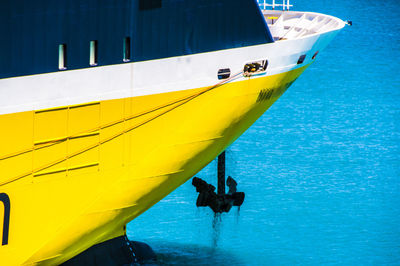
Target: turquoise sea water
{"type": "Point", "coordinates": [320, 169]}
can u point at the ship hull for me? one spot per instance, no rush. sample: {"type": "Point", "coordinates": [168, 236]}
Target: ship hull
{"type": "Point", "coordinates": [86, 151]}
{"type": "Point", "coordinates": [86, 186]}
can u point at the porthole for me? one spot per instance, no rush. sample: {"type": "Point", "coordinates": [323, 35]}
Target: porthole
{"type": "Point", "coordinates": [301, 59]}
{"type": "Point", "coordinates": [224, 73]}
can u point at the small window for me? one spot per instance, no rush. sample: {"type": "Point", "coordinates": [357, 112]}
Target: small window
{"type": "Point", "coordinates": [224, 73]}
{"type": "Point", "coordinates": [149, 4]}
{"type": "Point", "coordinates": [62, 56]}
{"type": "Point", "coordinates": [301, 59]}
{"type": "Point", "coordinates": [93, 53]}
{"type": "Point", "coordinates": [315, 55]}
{"type": "Point", "coordinates": [127, 49]}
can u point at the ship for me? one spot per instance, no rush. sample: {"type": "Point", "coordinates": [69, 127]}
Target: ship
{"type": "Point", "coordinates": [107, 106]}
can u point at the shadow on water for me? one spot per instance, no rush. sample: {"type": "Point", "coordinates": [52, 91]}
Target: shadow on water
{"type": "Point", "coordinates": [169, 253]}
{"type": "Point", "coordinates": [189, 254]}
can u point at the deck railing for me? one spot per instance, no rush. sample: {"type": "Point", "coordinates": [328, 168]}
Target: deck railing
{"type": "Point", "coordinates": [285, 4]}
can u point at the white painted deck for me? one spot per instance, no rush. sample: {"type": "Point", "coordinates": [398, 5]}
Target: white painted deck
{"type": "Point", "coordinates": [289, 25]}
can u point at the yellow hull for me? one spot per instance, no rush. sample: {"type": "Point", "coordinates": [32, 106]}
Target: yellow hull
{"type": "Point", "coordinates": [76, 175]}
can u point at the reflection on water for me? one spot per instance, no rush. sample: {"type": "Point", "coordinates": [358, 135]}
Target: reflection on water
{"type": "Point", "coordinates": [169, 253]}
{"type": "Point", "coordinates": [183, 254]}
{"type": "Point", "coordinates": [216, 226]}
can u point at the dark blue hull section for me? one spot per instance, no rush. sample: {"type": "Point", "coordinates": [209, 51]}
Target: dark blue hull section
{"type": "Point", "coordinates": [31, 31]}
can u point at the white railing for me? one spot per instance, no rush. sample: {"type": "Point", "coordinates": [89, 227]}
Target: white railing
{"type": "Point", "coordinates": [285, 4]}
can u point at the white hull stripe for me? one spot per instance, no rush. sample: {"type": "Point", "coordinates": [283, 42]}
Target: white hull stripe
{"type": "Point", "coordinates": [150, 77]}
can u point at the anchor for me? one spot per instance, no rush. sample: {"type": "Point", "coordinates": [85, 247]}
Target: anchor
{"type": "Point", "coordinates": [221, 201]}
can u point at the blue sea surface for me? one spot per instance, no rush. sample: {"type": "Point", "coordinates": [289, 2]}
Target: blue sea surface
{"type": "Point", "coordinates": [320, 169]}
